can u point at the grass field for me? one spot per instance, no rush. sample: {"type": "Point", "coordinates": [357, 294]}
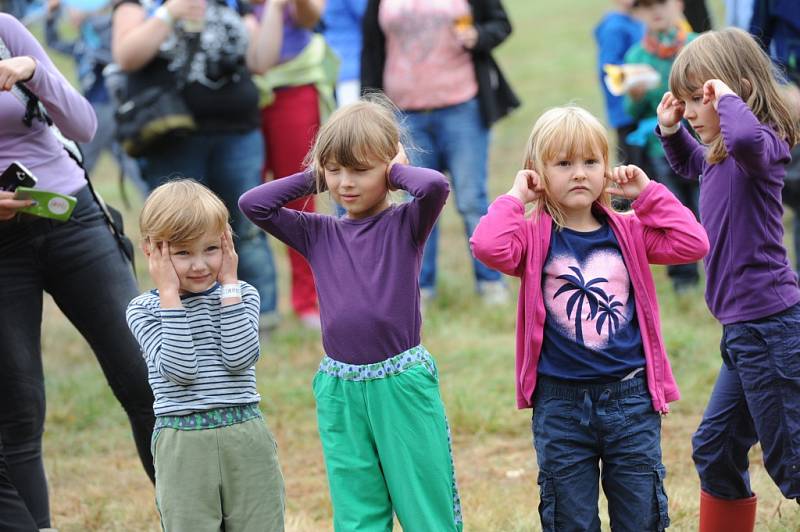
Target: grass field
{"type": "Point", "coordinates": [97, 483]}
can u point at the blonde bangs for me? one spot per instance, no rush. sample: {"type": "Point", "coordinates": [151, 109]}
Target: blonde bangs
{"type": "Point", "coordinates": [565, 132]}
{"type": "Point", "coordinates": [182, 211]}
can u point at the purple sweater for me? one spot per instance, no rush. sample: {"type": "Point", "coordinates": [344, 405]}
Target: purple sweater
{"type": "Point", "coordinates": [747, 270]}
{"type": "Point", "coordinates": [366, 271]}
{"type": "Point", "coordinates": [36, 147]}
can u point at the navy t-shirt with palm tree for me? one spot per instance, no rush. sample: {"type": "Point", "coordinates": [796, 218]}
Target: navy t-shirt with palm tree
{"type": "Point", "coordinates": [591, 332]}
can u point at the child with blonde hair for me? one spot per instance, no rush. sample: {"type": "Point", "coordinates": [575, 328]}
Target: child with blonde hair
{"type": "Point", "coordinates": [723, 85]}
{"type": "Point", "coordinates": [590, 356]}
{"type": "Point", "coordinates": [381, 419]}
{"type": "Point", "coordinates": [215, 459]}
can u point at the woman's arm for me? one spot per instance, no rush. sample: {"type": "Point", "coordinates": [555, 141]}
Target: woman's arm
{"type": "Point", "coordinates": [30, 65]}
{"type": "Point", "coordinates": [493, 28]}
{"type": "Point", "coordinates": [136, 38]}
{"type": "Point", "coordinates": [266, 38]}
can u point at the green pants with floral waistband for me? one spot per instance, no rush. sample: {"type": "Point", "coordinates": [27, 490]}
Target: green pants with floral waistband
{"type": "Point", "coordinates": [387, 445]}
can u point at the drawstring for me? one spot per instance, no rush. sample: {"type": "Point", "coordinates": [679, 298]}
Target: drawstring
{"type": "Point", "coordinates": [602, 401]}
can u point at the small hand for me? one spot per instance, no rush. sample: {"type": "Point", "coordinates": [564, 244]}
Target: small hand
{"type": "Point", "coordinates": [400, 158]}
{"type": "Point", "coordinates": [16, 69]}
{"type": "Point", "coordinates": [228, 273]}
{"type": "Point", "coordinates": [162, 271]}
{"type": "Point", "coordinates": [468, 36]}
{"type": "Point", "coordinates": [527, 186]}
{"type": "Point", "coordinates": [628, 181]}
{"type": "Point", "coordinates": [713, 90]}
{"type": "Point", "coordinates": [9, 205]}
{"type": "Point", "coordinates": [670, 111]}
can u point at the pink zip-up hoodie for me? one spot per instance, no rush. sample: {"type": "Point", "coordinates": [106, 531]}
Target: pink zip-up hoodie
{"type": "Point", "coordinates": [660, 231]}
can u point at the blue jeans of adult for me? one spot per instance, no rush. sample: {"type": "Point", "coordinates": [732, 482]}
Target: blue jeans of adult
{"type": "Point", "coordinates": [454, 140]}
{"type": "Point", "coordinates": [756, 399]}
{"type": "Point", "coordinates": [578, 426]}
{"type": "Point", "coordinates": [688, 193]}
{"type": "Point", "coordinates": [229, 164]}
{"type": "Point", "coordinates": [80, 264]}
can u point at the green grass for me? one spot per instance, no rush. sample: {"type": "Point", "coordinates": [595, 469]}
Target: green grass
{"type": "Point", "coordinates": [97, 483]}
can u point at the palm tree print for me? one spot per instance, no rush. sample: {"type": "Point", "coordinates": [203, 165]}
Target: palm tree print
{"type": "Point", "coordinates": [585, 292]}
{"type": "Point", "coordinates": [608, 311]}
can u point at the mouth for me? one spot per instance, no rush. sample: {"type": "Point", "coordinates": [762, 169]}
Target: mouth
{"type": "Point", "coordinates": [198, 278]}
{"type": "Point", "coordinates": [349, 197]}
{"type": "Point", "coordinates": [579, 188]}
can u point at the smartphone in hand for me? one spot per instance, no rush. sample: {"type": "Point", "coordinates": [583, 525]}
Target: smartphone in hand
{"type": "Point", "coordinates": [16, 175]}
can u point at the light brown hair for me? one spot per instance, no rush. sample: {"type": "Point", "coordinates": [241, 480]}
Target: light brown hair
{"type": "Point", "coordinates": [734, 57]}
{"type": "Point", "coordinates": [354, 134]}
{"type": "Point", "coordinates": [182, 211]}
{"type": "Point", "coordinates": [571, 131]}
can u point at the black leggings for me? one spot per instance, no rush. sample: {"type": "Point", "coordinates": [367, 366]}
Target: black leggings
{"type": "Point", "coordinates": [81, 266]}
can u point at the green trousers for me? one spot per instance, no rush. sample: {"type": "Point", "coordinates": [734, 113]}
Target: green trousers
{"type": "Point", "coordinates": [223, 478]}
{"type": "Point", "coordinates": [387, 445]}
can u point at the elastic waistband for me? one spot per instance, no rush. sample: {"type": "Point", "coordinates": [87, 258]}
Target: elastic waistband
{"type": "Point", "coordinates": [572, 390]}
{"type": "Point", "coordinates": [210, 419]}
{"type": "Point", "coordinates": [379, 370]}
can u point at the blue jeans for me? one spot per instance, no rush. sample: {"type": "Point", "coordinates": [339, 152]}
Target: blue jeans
{"type": "Point", "coordinates": [454, 140]}
{"type": "Point", "coordinates": [80, 264]}
{"type": "Point", "coordinates": [756, 399]}
{"type": "Point", "coordinates": [575, 428]}
{"type": "Point", "coordinates": [229, 164]}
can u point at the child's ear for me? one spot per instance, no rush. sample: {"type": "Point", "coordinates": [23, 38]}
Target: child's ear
{"type": "Point", "coordinates": [747, 89]}
{"type": "Point", "coordinates": [146, 247]}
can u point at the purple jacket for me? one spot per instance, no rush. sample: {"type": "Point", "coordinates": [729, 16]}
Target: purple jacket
{"type": "Point", "coordinates": [747, 270]}
{"type": "Point", "coordinates": [661, 231]}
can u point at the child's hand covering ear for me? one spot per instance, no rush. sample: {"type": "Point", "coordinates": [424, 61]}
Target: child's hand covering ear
{"type": "Point", "coordinates": [527, 186]}
{"type": "Point", "coordinates": [628, 181]}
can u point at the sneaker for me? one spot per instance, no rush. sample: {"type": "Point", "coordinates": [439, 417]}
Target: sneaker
{"type": "Point", "coordinates": [494, 293]}
{"type": "Point", "coordinates": [311, 321]}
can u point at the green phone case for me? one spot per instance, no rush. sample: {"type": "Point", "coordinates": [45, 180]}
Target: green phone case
{"type": "Point", "coordinates": [48, 204]}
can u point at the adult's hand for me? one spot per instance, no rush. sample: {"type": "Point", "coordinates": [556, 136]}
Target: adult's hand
{"type": "Point", "coordinates": [9, 206]}
{"type": "Point", "coordinates": [16, 69]}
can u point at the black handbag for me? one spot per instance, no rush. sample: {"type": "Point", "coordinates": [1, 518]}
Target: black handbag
{"type": "Point", "coordinates": [147, 118]}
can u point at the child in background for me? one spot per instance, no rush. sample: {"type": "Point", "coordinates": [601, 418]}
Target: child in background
{"type": "Point", "coordinates": [723, 85]}
{"type": "Point", "coordinates": [664, 38]}
{"type": "Point", "coordinates": [381, 419]}
{"type": "Point", "coordinates": [615, 34]}
{"type": "Point", "coordinates": [590, 357]}
{"type": "Point", "coordinates": [215, 459]}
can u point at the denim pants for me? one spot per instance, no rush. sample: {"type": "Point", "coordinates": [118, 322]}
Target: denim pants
{"type": "Point", "coordinates": [14, 515]}
{"type": "Point", "coordinates": [756, 399]}
{"type": "Point", "coordinates": [80, 264]}
{"type": "Point", "coordinates": [575, 428]}
{"type": "Point", "coordinates": [230, 165]}
{"type": "Point", "coordinates": [688, 193]}
{"type": "Point", "coordinates": [454, 140]}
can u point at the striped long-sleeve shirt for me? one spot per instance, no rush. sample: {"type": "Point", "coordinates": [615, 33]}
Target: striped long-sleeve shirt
{"type": "Point", "coordinates": [201, 356]}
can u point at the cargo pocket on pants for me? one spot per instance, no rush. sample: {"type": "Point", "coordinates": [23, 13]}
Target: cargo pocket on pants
{"type": "Point", "coordinates": [661, 501]}
{"type": "Point", "coordinates": [547, 502]}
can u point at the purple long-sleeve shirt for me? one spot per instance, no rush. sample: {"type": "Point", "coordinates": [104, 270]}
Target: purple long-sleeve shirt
{"type": "Point", "coordinates": [747, 269]}
{"type": "Point", "coordinates": [36, 147]}
{"type": "Point", "coordinates": [366, 271]}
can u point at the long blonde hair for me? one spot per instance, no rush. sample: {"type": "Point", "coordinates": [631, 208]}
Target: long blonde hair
{"type": "Point", "coordinates": [569, 130]}
{"type": "Point", "coordinates": [734, 57]}
{"type": "Point", "coordinates": [354, 134]}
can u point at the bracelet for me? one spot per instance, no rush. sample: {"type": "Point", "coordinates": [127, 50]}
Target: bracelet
{"type": "Point", "coordinates": [163, 14]}
{"type": "Point", "coordinates": [667, 131]}
{"type": "Point", "coordinates": [231, 290]}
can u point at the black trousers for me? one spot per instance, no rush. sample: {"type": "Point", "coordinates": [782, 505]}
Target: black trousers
{"type": "Point", "coordinates": [80, 265]}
